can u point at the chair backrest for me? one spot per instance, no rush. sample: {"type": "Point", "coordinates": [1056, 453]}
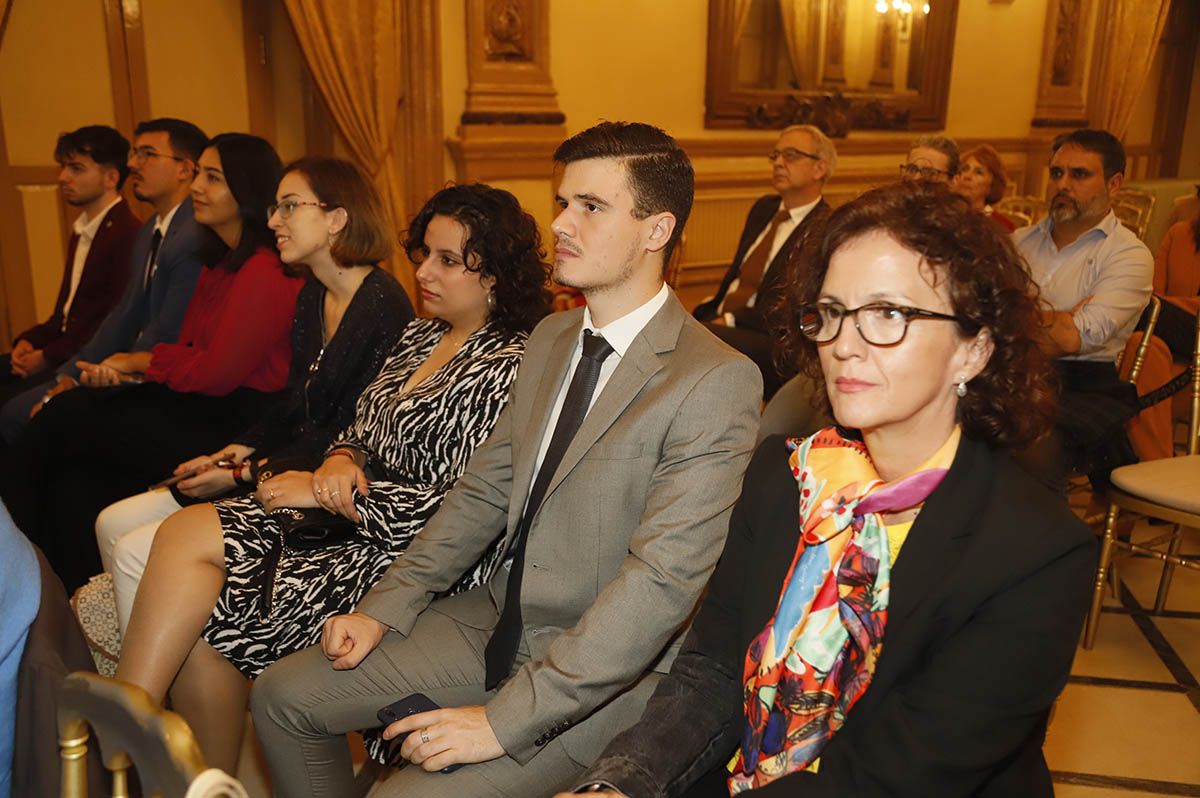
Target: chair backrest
{"type": "Point", "coordinates": [1155, 306]}
{"type": "Point", "coordinates": [132, 730]}
{"type": "Point", "coordinates": [791, 411]}
{"type": "Point", "coordinates": [1134, 208]}
{"type": "Point", "coordinates": [1030, 207]}
{"type": "Point", "coordinates": [1018, 218]}
{"type": "Point", "coordinates": [1193, 443]}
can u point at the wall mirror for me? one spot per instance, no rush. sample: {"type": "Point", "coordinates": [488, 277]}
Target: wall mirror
{"type": "Point", "coordinates": [840, 64]}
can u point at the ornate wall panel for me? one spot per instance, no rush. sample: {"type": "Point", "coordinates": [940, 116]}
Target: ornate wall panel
{"type": "Point", "coordinates": [1066, 59]}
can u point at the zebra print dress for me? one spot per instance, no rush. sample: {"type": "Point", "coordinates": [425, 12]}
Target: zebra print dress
{"type": "Point", "coordinates": [420, 443]}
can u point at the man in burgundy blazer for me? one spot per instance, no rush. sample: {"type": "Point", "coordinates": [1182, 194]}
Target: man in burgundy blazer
{"type": "Point", "coordinates": [93, 161]}
{"type": "Point", "coordinates": [803, 159]}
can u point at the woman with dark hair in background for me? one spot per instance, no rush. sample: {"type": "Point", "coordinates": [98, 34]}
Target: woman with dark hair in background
{"type": "Point", "coordinates": [897, 604]}
{"type": "Point", "coordinates": [85, 450]}
{"type": "Point", "coordinates": [224, 594]}
{"type": "Point", "coordinates": [982, 181]}
{"type": "Point", "coordinates": [327, 217]}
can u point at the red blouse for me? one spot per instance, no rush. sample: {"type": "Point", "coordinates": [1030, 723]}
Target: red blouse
{"type": "Point", "coordinates": [236, 332]}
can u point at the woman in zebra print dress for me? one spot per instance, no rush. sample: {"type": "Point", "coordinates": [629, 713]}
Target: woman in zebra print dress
{"type": "Point", "coordinates": [208, 612]}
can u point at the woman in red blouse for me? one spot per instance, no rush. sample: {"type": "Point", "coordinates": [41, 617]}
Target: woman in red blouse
{"type": "Point", "coordinates": [86, 449]}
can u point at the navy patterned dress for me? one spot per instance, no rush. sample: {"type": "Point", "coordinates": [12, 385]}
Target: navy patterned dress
{"type": "Point", "coordinates": [418, 444]}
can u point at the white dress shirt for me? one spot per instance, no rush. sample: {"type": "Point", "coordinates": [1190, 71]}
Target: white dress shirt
{"type": "Point", "coordinates": [86, 230]}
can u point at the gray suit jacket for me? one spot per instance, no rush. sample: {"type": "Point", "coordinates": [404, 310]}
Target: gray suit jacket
{"type": "Point", "coordinates": [625, 540]}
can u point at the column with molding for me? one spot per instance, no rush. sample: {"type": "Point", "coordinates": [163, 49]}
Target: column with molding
{"type": "Point", "coordinates": [512, 122]}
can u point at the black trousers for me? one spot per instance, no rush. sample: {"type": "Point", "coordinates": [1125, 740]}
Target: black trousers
{"type": "Point", "coordinates": [11, 385]}
{"type": "Point", "coordinates": [90, 447]}
{"type": "Point", "coordinates": [1177, 329]}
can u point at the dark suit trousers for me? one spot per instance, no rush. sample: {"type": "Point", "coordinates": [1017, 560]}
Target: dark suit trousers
{"type": "Point", "coordinates": [757, 346]}
{"type": "Point", "coordinates": [12, 386]}
{"type": "Point", "coordinates": [303, 709]}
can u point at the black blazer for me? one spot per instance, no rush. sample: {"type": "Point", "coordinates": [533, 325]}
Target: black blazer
{"type": "Point", "coordinates": [143, 319]}
{"type": "Point", "coordinates": [761, 214]}
{"type": "Point", "coordinates": [988, 596]}
{"type": "Point", "coordinates": [105, 272]}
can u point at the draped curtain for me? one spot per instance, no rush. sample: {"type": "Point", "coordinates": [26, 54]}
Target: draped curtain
{"type": "Point", "coordinates": [4, 6]}
{"type": "Point", "coordinates": [801, 40]}
{"type": "Point", "coordinates": [353, 50]}
{"type": "Point", "coordinates": [1135, 26]}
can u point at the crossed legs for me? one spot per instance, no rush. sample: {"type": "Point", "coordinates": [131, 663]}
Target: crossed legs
{"type": "Point", "coordinates": [163, 651]}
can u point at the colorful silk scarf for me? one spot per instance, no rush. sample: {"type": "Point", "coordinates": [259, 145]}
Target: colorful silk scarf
{"type": "Point", "coordinates": [817, 654]}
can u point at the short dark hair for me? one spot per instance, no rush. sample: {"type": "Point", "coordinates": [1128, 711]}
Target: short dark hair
{"type": "Point", "coordinates": [252, 171]}
{"type": "Point", "coordinates": [1012, 401]}
{"type": "Point", "coordinates": [368, 236]}
{"type": "Point", "coordinates": [659, 173]}
{"type": "Point", "coordinates": [507, 243]}
{"type": "Point", "coordinates": [103, 144]}
{"type": "Point", "coordinates": [187, 140]}
{"type": "Point", "coordinates": [943, 144]}
{"type": "Point", "coordinates": [986, 154]}
{"type": "Point", "coordinates": [1101, 142]}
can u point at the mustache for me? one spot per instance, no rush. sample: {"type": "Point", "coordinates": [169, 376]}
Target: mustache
{"type": "Point", "coordinates": [562, 243]}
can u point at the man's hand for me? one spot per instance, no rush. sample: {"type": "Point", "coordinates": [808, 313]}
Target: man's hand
{"type": "Point", "coordinates": [334, 484]}
{"type": "Point", "coordinates": [63, 385]}
{"type": "Point", "coordinates": [97, 375]}
{"type": "Point", "coordinates": [457, 736]}
{"type": "Point", "coordinates": [289, 489]}
{"type": "Point", "coordinates": [348, 639]}
{"type": "Point", "coordinates": [28, 361]}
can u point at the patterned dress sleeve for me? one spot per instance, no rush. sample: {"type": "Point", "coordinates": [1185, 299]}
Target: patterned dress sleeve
{"type": "Point", "coordinates": [393, 511]}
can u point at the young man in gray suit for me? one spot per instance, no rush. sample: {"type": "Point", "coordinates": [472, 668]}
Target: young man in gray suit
{"type": "Point", "coordinates": [163, 267]}
{"type": "Point", "coordinates": [611, 476]}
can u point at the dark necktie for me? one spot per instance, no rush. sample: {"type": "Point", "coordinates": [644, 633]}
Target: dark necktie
{"type": "Point", "coordinates": [754, 267]}
{"type": "Point", "coordinates": [150, 264]}
{"type": "Point", "coordinates": [502, 647]}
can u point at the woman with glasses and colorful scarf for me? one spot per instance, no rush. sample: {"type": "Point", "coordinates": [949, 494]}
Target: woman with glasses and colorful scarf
{"type": "Point", "coordinates": [898, 603]}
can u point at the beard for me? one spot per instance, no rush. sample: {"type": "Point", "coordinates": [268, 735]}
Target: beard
{"type": "Point", "coordinates": [593, 281]}
{"type": "Point", "coordinates": [1063, 209]}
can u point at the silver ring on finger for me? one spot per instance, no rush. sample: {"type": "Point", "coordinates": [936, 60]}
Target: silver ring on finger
{"type": "Point", "coordinates": [270, 494]}
{"type": "Point", "coordinates": [424, 735]}
{"type": "Point", "coordinates": [331, 495]}
{"type": "Point", "coordinates": [319, 491]}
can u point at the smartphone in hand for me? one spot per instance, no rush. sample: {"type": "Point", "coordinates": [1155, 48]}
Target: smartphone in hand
{"type": "Point", "coordinates": [413, 704]}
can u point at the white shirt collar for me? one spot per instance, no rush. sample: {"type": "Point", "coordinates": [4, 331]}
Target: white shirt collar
{"type": "Point", "coordinates": [164, 222]}
{"type": "Point", "coordinates": [620, 333]}
{"type": "Point", "coordinates": [86, 228]}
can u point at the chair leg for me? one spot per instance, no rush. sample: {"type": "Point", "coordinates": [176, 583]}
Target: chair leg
{"type": "Point", "coordinates": [1106, 551]}
{"type": "Point", "coordinates": [1164, 581]}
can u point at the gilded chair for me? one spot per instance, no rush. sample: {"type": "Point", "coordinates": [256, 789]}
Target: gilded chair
{"type": "Point", "coordinates": [1018, 218]}
{"type": "Point", "coordinates": [1134, 208]}
{"type": "Point", "coordinates": [1028, 207]}
{"type": "Point", "coordinates": [1167, 489]}
{"type": "Point", "coordinates": [132, 730]}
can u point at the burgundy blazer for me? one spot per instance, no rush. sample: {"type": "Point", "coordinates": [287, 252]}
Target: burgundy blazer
{"type": "Point", "coordinates": [105, 273]}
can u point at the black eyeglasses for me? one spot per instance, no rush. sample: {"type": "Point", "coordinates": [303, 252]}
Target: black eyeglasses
{"type": "Point", "coordinates": [911, 170]}
{"type": "Point", "coordinates": [791, 154]}
{"type": "Point", "coordinates": [141, 154]}
{"type": "Point", "coordinates": [879, 323]}
{"type": "Point", "coordinates": [288, 207]}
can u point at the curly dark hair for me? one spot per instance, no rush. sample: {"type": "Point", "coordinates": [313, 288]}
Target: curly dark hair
{"type": "Point", "coordinates": [508, 245]}
{"type": "Point", "coordinates": [1012, 401]}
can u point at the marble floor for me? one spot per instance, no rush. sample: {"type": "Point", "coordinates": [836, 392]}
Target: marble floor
{"type": "Point", "coordinates": [1128, 723]}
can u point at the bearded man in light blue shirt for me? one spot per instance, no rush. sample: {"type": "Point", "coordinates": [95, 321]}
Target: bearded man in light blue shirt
{"type": "Point", "coordinates": [1095, 278]}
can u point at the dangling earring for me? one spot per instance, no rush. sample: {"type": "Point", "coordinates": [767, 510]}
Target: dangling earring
{"type": "Point", "coordinates": [961, 388]}
{"type": "Point", "coordinates": [491, 302]}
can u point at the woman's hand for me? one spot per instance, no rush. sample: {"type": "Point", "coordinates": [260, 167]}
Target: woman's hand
{"type": "Point", "coordinates": [97, 375]}
{"type": "Point", "coordinates": [289, 489]}
{"type": "Point", "coordinates": [334, 485]}
{"type": "Point", "coordinates": [209, 482]}
{"type": "Point", "coordinates": [128, 363]}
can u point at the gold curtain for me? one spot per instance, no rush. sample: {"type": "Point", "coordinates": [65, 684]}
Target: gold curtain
{"type": "Point", "coordinates": [353, 50]}
{"type": "Point", "coordinates": [5, 5]}
{"type": "Point", "coordinates": [741, 15]}
{"type": "Point", "coordinates": [1135, 26]}
{"type": "Point", "coordinates": [801, 40]}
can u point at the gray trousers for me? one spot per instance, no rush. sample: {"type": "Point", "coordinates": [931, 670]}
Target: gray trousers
{"type": "Point", "coordinates": [302, 709]}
